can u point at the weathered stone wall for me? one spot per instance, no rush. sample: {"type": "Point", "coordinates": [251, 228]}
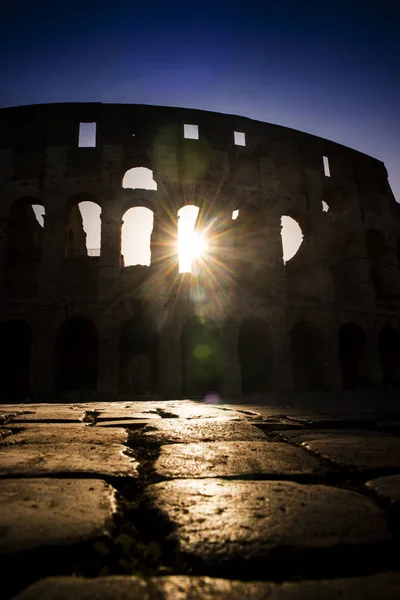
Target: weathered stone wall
{"type": "Point", "coordinates": [337, 277]}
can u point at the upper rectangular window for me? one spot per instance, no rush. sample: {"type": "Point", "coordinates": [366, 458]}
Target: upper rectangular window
{"type": "Point", "coordinates": [239, 138]}
{"type": "Point", "coordinates": [191, 132]}
{"type": "Point", "coordinates": [327, 170]}
{"type": "Point", "coordinates": [87, 135]}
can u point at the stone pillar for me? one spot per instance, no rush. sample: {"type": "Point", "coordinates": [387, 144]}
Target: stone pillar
{"type": "Point", "coordinates": [54, 250]}
{"type": "Point", "coordinates": [320, 265]}
{"type": "Point", "coordinates": [348, 234]}
{"type": "Point", "coordinates": [110, 256]}
{"type": "Point", "coordinates": [283, 359]}
{"type": "Point", "coordinates": [332, 367]}
{"type": "Point", "coordinates": [108, 354]}
{"type": "Point", "coordinates": [221, 246]}
{"type": "Point", "coordinates": [164, 243]}
{"type": "Point", "coordinates": [230, 372]}
{"type": "Point", "coordinates": [170, 375]}
{"type": "Point", "coordinates": [388, 273]}
{"type": "Point", "coordinates": [370, 366]}
{"type": "Point", "coordinates": [43, 357]}
{"type": "Point", "coordinates": [3, 233]}
{"type": "Point", "coordinates": [273, 257]}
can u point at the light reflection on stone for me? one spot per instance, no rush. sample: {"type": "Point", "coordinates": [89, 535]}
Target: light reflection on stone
{"type": "Point", "coordinates": [202, 351]}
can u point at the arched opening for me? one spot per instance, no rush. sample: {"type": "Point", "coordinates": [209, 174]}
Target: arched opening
{"type": "Point", "coordinates": [306, 350]}
{"type": "Point", "coordinates": [351, 352]}
{"type": "Point", "coordinates": [76, 356]}
{"type": "Point", "coordinates": [292, 237]}
{"type": "Point", "coordinates": [139, 178]}
{"type": "Point", "coordinates": [25, 231]}
{"type": "Point", "coordinates": [138, 356]}
{"type": "Point", "coordinates": [376, 248]}
{"type": "Point", "coordinates": [256, 356]}
{"type": "Point", "coordinates": [200, 357]}
{"type": "Point", "coordinates": [137, 227]}
{"type": "Point", "coordinates": [389, 354]}
{"type": "Point", "coordinates": [84, 227]}
{"type": "Point", "coordinates": [39, 212]}
{"type": "Point", "coordinates": [191, 243]}
{"type": "Point", "coordinates": [23, 247]}
{"type": "Point", "coordinates": [15, 342]}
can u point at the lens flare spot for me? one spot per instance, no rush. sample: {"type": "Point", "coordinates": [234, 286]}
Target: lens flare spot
{"type": "Point", "coordinates": [198, 294]}
{"type": "Point", "coordinates": [212, 398]}
{"type": "Point", "coordinates": [199, 245]}
{"type": "Point", "coordinates": [202, 351]}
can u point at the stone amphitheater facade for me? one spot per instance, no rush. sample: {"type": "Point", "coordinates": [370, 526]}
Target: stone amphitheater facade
{"type": "Point", "coordinates": [76, 326]}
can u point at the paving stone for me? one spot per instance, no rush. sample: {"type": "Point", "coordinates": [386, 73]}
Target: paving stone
{"type": "Point", "coordinates": [388, 487]}
{"type": "Point", "coordinates": [199, 430]}
{"type": "Point", "coordinates": [74, 412]}
{"type": "Point", "coordinates": [217, 521]}
{"type": "Point", "coordinates": [102, 588]}
{"type": "Point", "coordinates": [44, 459]}
{"type": "Point", "coordinates": [391, 426]}
{"type": "Point", "coordinates": [119, 410]}
{"type": "Point", "coordinates": [358, 451]}
{"type": "Point", "coordinates": [233, 459]}
{"type": "Point", "coordinates": [122, 410]}
{"type": "Point", "coordinates": [334, 420]}
{"type": "Point", "coordinates": [198, 410]}
{"type": "Point", "coordinates": [278, 424]}
{"type": "Point", "coordinates": [126, 423]}
{"type": "Point", "coordinates": [307, 435]}
{"type": "Point", "coordinates": [37, 512]}
{"type": "Point", "coordinates": [374, 587]}
{"type": "Point", "coordinates": [123, 417]}
{"type": "Point", "coordinates": [45, 412]}
{"type": "Point", "coordinates": [53, 433]}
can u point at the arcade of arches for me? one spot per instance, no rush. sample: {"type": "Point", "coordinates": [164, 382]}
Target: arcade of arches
{"type": "Point", "coordinates": [76, 346]}
{"type": "Point", "coordinates": [76, 357]}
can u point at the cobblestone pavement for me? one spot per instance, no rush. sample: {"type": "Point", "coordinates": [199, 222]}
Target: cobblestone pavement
{"type": "Point", "coordinates": [282, 497]}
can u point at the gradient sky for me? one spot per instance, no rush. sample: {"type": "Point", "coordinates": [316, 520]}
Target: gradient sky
{"type": "Point", "coordinates": [331, 68]}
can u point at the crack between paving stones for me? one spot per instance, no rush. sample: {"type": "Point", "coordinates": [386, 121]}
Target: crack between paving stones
{"type": "Point", "coordinates": [142, 541]}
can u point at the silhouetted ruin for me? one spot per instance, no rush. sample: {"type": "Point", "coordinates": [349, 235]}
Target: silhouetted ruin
{"type": "Point", "coordinates": [78, 324]}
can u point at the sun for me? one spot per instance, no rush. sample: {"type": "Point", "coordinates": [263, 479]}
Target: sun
{"type": "Point", "coordinates": [192, 245]}
{"type": "Point", "coordinates": [199, 245]}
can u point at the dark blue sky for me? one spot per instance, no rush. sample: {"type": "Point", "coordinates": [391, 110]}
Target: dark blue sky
{"type": "Point", "coordinates": [330, 67]}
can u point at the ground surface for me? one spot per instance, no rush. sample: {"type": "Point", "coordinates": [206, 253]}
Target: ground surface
{"type": "Point", "coordinates": [283, 497]}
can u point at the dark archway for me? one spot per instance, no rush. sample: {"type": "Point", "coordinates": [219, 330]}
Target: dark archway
{"type": "Point", "coordinates": [351, 351]}
{"type": "Point", "coordinates": [83, 234]}
{"type": "Point", "coordinates": [307, 357]}
{"type": "Point", "coordinates": [389, 354]}
{"type": "Point", "coordinates": [76, 356]}
{"type": "Point", "coordinates": [24, 234]}
{"type": "Point", "coordinates": [15, 341]}
{"type": "Point", "coordinates": [200, 357]}
{"type": "Point", "coordinates": [138, 356]}
{"type": "Point", "coordinates": [256, 356]}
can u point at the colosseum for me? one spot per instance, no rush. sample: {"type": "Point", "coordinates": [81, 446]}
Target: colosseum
{"type": "Point", "coordinates": [83, 322]}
